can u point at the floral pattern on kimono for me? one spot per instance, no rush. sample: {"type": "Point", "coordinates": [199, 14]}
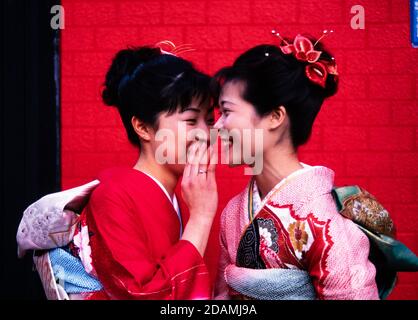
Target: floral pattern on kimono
{"type": "Point", "coordinates": [297, 226]}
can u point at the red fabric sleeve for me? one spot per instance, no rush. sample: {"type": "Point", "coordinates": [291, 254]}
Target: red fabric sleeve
{"type": "Point", "coordinates": [125, 263]}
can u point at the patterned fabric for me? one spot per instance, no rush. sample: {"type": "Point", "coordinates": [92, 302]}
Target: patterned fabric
{"type": "Point", "coordinates": [52, 289]}
{"type": "Point", "coordinates": [360, 206]}
{"type": "Point", "coordinates": [129, 231]}
{"type": "Point", "coordinates": [300, 229]}
{"type": "Point", "coordinates": [69, 272]}
{"type": "Point", "coordinates": [50, 221]}
{"type": "Point", "coordinates": [270, 284]}
{"type": "Point", "coordinates": [249, 249]}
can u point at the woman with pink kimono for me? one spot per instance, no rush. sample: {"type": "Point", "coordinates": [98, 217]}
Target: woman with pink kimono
{"type": "Point", "coordinates": [282, 237]}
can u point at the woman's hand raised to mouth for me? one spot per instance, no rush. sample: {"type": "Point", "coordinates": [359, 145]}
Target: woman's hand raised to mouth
{"type": "Point", "coordinates": [199, 191]}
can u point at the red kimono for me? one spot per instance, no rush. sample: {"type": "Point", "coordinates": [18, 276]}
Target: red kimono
{"type": "Point", "coordinates": [129, 239]}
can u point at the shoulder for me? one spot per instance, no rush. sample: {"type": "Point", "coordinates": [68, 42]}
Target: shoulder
{"type": "Point", "coordinates": [324, 208]}
{"type": "Point", "coordinates": [323, 205]}
{"type": "Point", "coordinates": [124, 194]}
{"type": "Point", "coordinates": [317, 183]}
{"type": "Point", "coordinates": [123, 183]}
{"type": "Point", "coordinates": [342, 230]}
{"type": "Point", "coordinates": [120, 175]}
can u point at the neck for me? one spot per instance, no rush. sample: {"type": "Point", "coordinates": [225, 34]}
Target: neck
{"type": "Point", "coordinates": [278, 163]}
{"type": "Point", "coordinates": [160, 172]}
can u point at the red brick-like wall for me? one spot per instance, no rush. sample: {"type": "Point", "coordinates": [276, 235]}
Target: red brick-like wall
{"type": "Point", "coordinates": [367, 133]}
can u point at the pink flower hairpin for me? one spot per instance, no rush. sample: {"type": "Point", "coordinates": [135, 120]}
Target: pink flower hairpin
{"type": "Point", "coordinates": [304, 50]}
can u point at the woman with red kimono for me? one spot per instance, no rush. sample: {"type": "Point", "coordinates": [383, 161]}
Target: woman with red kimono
{"type": "Point", "coordinates": [132, 240]}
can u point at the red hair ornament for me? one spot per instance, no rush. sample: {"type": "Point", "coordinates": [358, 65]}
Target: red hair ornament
{"type": "Point", "coordinates": [303, 50]}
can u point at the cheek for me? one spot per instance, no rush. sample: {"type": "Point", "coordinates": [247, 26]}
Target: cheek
{"type": "Point", "coordinates": [241, 122]}
{"type": "Point", "coordinates": [167, 142]}
{"type": "Point", "coordinates": [184, 138]}
{"type": "Point", "coordinates": [233, 121]}
{"type": "Point", "coordinates": [252, 137]}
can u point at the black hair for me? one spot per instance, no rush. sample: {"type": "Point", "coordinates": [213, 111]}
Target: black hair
{"type": "Point", "coordinates": [144, 82]}
{"type": "Point", "coordinates": [272, 79]}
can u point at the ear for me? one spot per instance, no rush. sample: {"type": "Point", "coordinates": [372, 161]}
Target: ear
{"type": "Point", "coordinates": [142, 130]}
{"type": "Point", "coordinates": [277, 117]}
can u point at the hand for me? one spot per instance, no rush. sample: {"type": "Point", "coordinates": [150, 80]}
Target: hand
{"type": "Point", "coordinates": [199, 189]}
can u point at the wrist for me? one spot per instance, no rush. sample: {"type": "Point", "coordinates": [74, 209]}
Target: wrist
{"type": "Point", "coordinates": [201, 218]}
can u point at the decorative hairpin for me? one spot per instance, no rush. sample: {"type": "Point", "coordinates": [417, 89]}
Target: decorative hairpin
{"type": "Point", "coordinates": [168, 47]}
{"type": "Point", "coordinates": [304, 50]}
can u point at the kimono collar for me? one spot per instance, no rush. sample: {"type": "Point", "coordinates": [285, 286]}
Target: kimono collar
{"type": "Point", "coordinates": [298, 188]}
{"type": "Point", "coordinates": [173, 201]}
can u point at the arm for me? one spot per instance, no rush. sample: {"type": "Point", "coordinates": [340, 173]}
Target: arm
{"type": "Point", "coordinates": [338, 258]}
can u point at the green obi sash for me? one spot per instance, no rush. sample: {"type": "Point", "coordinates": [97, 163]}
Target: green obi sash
{"type": "Point", "coordinates": [387, 254]}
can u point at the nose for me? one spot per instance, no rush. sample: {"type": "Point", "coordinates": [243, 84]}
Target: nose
{"type": "Point", "coordinates": [219, 124]}
{"type": "Point", "coordinates": [202, 125]}
{"type": "Point", "coordinates": [203, 131]}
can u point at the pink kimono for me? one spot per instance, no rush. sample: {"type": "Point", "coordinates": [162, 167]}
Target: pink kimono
{"type": "Point", "coordinates": [296, 226]}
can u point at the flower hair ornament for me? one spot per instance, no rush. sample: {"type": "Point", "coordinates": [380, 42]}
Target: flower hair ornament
{"type": "Point", "coordinates": [303, 49]}
{"type": "Point", "coordinates": [168, 47]}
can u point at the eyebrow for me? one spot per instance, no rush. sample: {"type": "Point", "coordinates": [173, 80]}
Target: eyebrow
{"type": "Point", "coordinates": [225, 101]}
{"type": "Point", "coordinates": [192, 109]}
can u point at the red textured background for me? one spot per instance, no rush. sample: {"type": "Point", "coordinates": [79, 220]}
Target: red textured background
{"type": "Point", "coordinates": [367, 133]}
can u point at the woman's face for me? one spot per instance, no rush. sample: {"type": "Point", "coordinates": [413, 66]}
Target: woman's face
{"type": "Point", "coordinates": [241, 129]}
{"type": "Point", "coordinates": [178, 131]}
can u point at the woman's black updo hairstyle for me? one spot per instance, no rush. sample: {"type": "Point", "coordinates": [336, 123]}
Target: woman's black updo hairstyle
{"type": "Point", "coordinates": [144, 82]}
{"type": "Point", "coordinates": [272, 79]}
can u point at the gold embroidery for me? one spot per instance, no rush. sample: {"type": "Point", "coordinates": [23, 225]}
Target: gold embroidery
{"type": "Point", "coordinates": [365, 210]}
{"type": "Point", "coordinates": [298, 235]}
